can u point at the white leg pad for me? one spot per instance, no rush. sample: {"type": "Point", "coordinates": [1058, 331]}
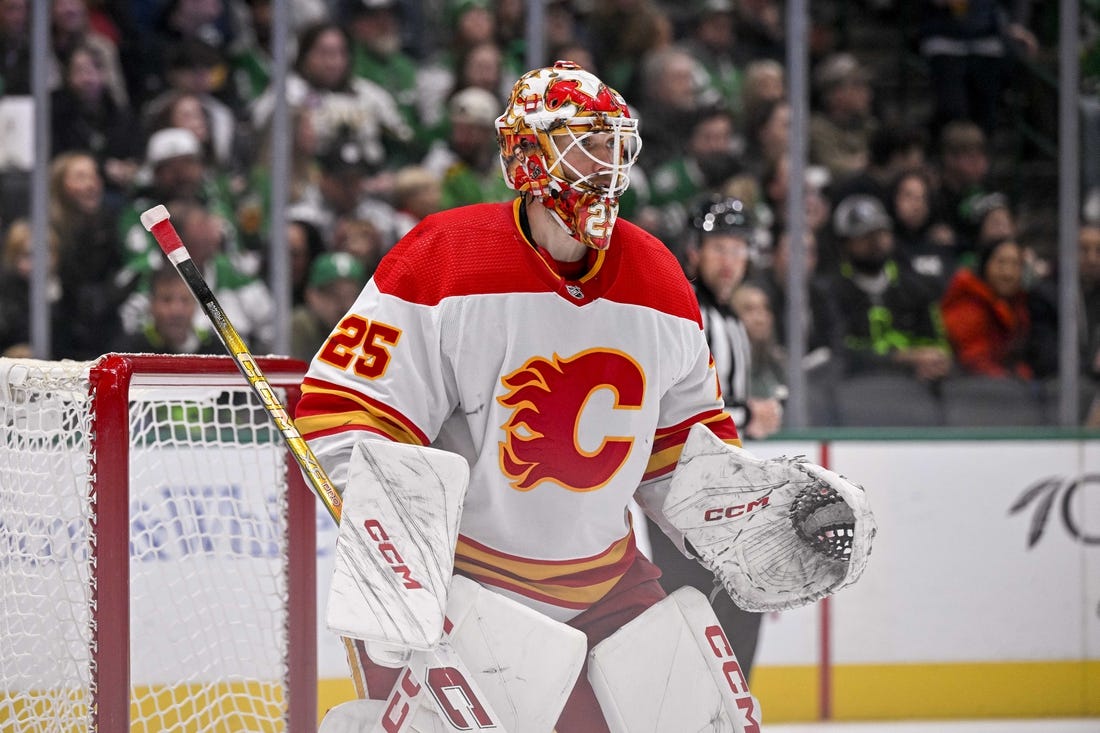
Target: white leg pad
{"type": "Point", "coordinates": [502, 666]}
{"type": "Point", "coordinates": [672, 669]}
{"type": "Point", "coordinates": [357, 716]}
{"type": "Point", "coordinates": [524, 662]}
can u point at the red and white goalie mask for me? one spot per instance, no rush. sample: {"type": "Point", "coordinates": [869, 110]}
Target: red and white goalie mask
{"type": "Point", "coordinates": [568, 139]}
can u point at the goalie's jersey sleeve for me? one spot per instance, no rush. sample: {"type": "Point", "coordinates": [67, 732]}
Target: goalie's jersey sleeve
{"type": "Point", "coordinates": [564, 396]}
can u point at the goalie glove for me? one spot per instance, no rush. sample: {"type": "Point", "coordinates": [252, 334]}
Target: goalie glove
{"type": "Point", "coordinates": [778, 533]}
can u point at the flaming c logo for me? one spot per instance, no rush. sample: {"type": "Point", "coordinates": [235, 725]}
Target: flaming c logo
{"type": "Point", "coordinates": [547, 399]}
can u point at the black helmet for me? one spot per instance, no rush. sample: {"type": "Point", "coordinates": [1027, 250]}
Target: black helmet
{"type": "Point", "coordinates": [718, 213]}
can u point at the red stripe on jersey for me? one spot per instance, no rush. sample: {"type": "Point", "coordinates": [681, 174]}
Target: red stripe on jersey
{"type": "Point", "coordinates": [706, 417]}
{"type": "Point", "coordinates": [670, 443]}
{"type": "Point", "coordinates": [323, 402]}
{"type": "Point", "coordinates": [575, 584]}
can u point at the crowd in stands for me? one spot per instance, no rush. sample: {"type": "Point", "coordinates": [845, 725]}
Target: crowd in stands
{"type": "Point", "coordinates": [921, 266]}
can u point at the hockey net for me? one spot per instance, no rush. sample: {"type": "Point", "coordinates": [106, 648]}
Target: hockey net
{"type": "Point", "coordinates": [148, 512]}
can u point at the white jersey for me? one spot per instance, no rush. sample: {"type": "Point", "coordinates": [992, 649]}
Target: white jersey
{"type": "Point", "coordinates": [563, 395]}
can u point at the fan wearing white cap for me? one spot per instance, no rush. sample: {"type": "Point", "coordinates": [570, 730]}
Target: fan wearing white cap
{"type": "Point", "coordinates": [173, 170]}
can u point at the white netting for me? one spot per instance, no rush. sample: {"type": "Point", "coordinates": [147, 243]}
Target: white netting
{"type": "Point", "coordinates": [208, 582]}
{"type": "Point", "coordinates": [45, 563]}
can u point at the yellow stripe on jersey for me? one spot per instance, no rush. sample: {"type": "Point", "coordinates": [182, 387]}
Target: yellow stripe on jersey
{"type": "Point", "coordinates": [324, 410]}
{"type": "Point", "coordinates": [572, 583]}
{"type": "Point", "coordinates": [559, 595]}
{"type": "Point", "coordinates": [355, 418]}
{"type": "Point", "coordinates": [668, 443]}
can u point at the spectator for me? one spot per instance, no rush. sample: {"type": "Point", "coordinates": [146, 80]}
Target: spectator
{"type": "Point", "coordinates": [174, 170]}
{"type": "Point", "coordinates": [254, 204]}
{"type": "Point", "coordinates": [360, 239]}
{"type": "Point", "coordinates": [377, 55]}
{"type": "Point", "coordinates": [15, 55]}
{"type": "Point", "coordinates": [986, 315]}
{"type": "Point", "coordinates": [821, 324]}
{"type": "Point", "coordinates": [767, 127]}
{"type": "Point", "coordinates": [565, 32]}
{"type": "Point", "coordinates": [170, 327]}
{"type": "Point", "coordinates": [967, 48]}
{"type": "Point", "coordinates": [468, 162]}
{"type": "Point", "coordinates": [250, 55]}
{"type": "Point", "coordinates": [304, 244]}
{"type": "Point", "coordinates": [482, 66]}
{"type": "Point", "coordinates": [890, 315]}
{"type": "Point", "coordinates": [84, 116]}
{"type": "Point", "coordinates": [841, 131]}
{"type": "Point", "coordinates": [473, 24]}
{"type": "Point", "coordinates": [195, 70]}
{"type": "Point", "coordinates": [335, 279]}
{"type": "Point", "coordinates": [338, 102]}
{"type": "Point", "coordinates": [775, 184]}
{"type": "Point", "coordinates": [768, 376]}
{"type": "Point", "coordinates": [417, 192]}
{"type": "Point", "coordinates": [341, 193]}
{"type": "Point", "coordinates": [893, 150]}
{"type": "Point", "coordinates": [244, 298]}
{"type": "Point", "coordinates": [176, 21]}
{"type": "Point", "coordinates": [69, 29]}
{"type": "Point", "coordinates": [625, 32]}
{"type": "Point", "coordinates": [924, 244]}
{"type": "Point", "coordinates": [711, 42]}
{"type": "Point", "coordinates": [765, 82]}
{"type": "Point", "coordinates": [1088, 248]}
{"type": "Point", "coordinates": [15, 313]}
{"type": "Point", "coordinates": [673, 91]}
{"type": "Point", "coordinates": [989, 217]}
{"type": "Point", "coordinates": [761, 29]}
{"type": "Point", "coordinates": [87, 252]}
{"type": "Point", "coordinates": [710, 158]}
{"type": "Point", "coordinates": [963, 176]}
{"type": "Point", "coordinates": [177, 108]}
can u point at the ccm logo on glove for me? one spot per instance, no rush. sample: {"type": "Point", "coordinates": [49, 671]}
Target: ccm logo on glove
{"type": "Point", "coordinates": [732, 512]}
{"type": "Point", "coordinates": [390, 553]}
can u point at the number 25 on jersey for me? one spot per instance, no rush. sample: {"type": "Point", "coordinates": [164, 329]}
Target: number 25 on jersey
{"type": "Point", "coordinates": [361, 344]}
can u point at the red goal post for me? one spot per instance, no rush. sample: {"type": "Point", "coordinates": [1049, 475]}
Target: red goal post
{"type": "Point", "coordinates": [157, 549]}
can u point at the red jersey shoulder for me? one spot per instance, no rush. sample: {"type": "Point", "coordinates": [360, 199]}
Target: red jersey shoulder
{"type": "Point", "coordinates": [463, 251]}
{"type": "Point", "coordinates": [650, 275]}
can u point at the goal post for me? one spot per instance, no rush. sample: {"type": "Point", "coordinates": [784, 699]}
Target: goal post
{"type": "Point", "coordinates": [157, 549]}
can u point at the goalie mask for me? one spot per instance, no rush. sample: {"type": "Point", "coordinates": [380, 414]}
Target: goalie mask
{"type": "Point", "coordinates": [568, 139]}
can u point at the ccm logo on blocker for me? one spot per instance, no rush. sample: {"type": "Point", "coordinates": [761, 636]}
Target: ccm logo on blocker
{"type": "Point", "coordinates": [390, 553]}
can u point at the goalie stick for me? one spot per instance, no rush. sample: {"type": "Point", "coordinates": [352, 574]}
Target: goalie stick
{"type": "Point", "coordinates": [157, 221]}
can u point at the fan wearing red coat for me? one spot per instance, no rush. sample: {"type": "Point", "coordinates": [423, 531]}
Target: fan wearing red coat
{"type": "Point", "coordinates": [985, 313]}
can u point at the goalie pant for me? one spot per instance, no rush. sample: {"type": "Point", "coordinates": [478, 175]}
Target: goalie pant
{"type": "Point", "coordinates": [636, 591]}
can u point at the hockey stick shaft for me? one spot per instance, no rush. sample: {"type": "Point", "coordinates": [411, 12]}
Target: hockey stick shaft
{"type": "Point", "coordinates": [156, 221]}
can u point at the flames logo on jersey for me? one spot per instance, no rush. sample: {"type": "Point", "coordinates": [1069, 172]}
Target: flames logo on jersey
{"type": "Point", "coordinates": [547, 398]}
